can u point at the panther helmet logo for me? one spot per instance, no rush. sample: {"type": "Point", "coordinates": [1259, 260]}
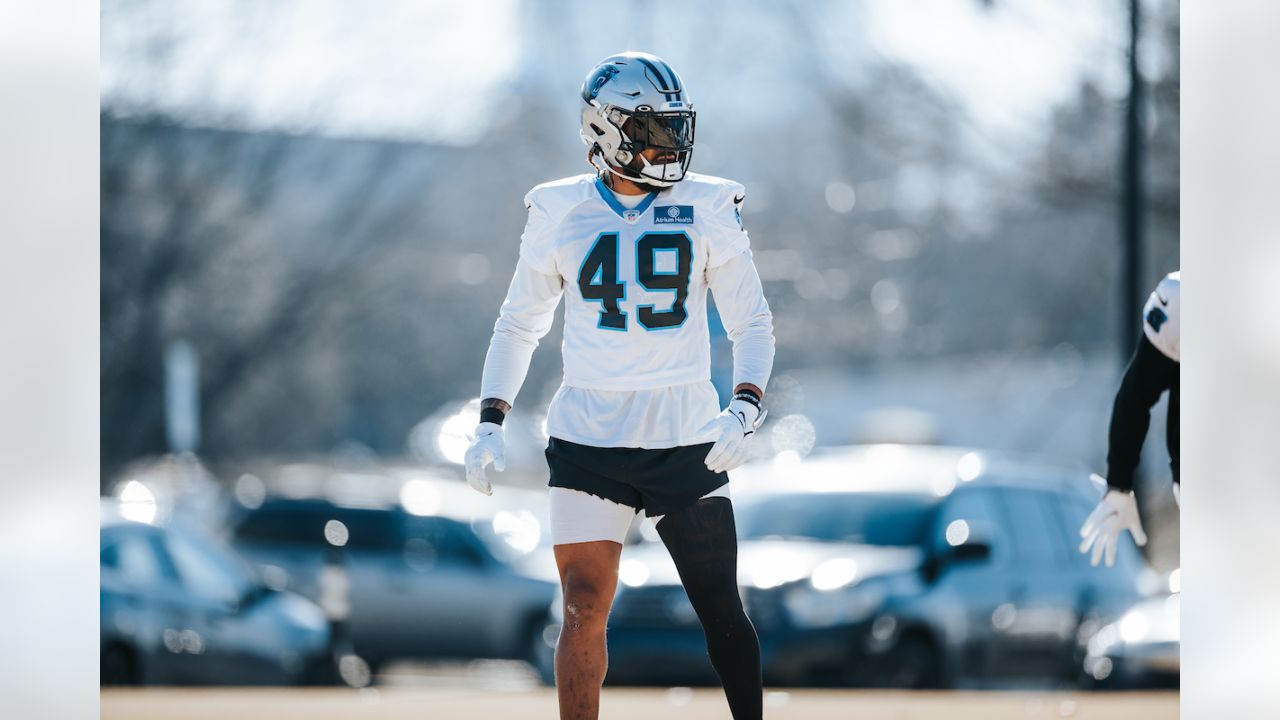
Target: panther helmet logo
{"type": "Point", "coordinates": [605, 74]}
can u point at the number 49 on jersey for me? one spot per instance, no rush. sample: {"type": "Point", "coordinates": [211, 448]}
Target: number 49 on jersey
{"type": "Point", "coordinates": [598, 279]}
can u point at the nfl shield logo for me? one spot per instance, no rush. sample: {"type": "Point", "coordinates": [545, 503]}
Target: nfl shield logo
{"type": "Point", "coordinates": [631, 216]}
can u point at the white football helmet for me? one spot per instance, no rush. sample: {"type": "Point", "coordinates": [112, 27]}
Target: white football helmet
{"type": "Point", "coordinates": [633, 101]}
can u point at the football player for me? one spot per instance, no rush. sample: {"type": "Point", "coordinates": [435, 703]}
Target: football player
{"type": "Point", "coordinates": [636, 425]}
{"type": "Point", "coordinates": [1152, 370]}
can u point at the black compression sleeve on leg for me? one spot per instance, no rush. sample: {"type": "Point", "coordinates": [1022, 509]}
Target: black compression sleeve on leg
{"type": "Point", "coordinates": [703, 544]}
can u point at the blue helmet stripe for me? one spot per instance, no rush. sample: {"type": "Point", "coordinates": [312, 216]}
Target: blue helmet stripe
{"type": "Point", "coordinates": [675, 83]}
{"type": "Point", "coordinates": [662, 82]}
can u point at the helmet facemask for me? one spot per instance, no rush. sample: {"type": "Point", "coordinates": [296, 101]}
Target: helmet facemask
{"type": "Point", "coordinates": [670, 133]}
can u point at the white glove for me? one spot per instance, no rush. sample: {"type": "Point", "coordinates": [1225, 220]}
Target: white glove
{"type": "Point", "coordinates": [485, 448]}
{"type": "Point", "coordinates": [1115, 513]}
{"type": "Point", "coordinates": [735, 425]}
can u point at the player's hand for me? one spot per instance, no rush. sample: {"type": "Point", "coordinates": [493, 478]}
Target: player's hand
{"type": "Point", "coordinates": [735, 426]}
{"type": "Point", "coordinates": [485, 448]}
{"type": "Point", "coordinates": [1115, 513]}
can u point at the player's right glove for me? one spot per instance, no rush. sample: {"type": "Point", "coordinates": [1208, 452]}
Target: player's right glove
{"type": "Point", "coordinates": [1115, 513]}
{"type": "Point", "coordinates": [485, 448]}
{"type": "Point", "coordinates": [735, 426]}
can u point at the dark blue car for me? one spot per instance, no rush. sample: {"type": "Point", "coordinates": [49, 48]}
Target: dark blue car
{"type": "Point", "coordinates": [890, 566]}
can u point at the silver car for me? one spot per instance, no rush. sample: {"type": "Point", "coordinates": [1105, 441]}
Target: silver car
{"type": "Point", "coordinates": [416, 586]}
{"type": "Point", "coordinates": [1140, 650]}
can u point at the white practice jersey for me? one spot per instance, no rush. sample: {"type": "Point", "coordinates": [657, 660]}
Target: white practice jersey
{"type": "Point", "coordinates": [1161, 319]}
{"type": "Point", "coordinates": [637, 354]}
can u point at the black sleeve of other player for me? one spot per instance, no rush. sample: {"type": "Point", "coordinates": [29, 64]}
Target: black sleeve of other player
{"type": "Point", "coordinates": [1150, 372]}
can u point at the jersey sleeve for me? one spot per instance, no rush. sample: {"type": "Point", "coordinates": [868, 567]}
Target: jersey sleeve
{"type": "Point", "coordinates": [526, 316]}
{"type": "Point", "coordinates": [726, 238]}
{"type": "Point", "coordinates": [1161, 319]}
{"type": "Point", "coordinates": [747, 319]}
{"type": "Point", "coordinates": [537, 242]}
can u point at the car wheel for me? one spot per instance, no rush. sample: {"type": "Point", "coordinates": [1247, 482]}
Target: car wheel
{"type": "Point", "coordinates": [540, 650]}
{"type": "Point", "coordinates": [119, 667]}
{"type": "Point", "coordinates": [914, 663]}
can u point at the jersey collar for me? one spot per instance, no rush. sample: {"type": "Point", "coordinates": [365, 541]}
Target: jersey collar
{"type": "Point", "coordinates": [622, 210]}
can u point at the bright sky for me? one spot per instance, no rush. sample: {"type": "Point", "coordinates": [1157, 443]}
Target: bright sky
{"type": "Point", "coordinates": [1009, 65]}
{"type": "Point", "coordinates": [395, 68]}
{"type": "Point", "coordinates": [434, 71]}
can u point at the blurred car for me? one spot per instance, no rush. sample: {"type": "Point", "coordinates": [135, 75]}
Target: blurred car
{"type": "Point", "coordinates": [421, 585]}
{"type": "Point", "coordinates": [178, 608]}
{"type": "Point", "coordinates": [1141, 649]}
{"type": "Point", "coordinates": [889, 566]}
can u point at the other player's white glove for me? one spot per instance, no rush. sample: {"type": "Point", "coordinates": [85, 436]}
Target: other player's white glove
{"type": "Point", "coordinates": [736, 426]}
{"type": "Point", "coordinates": [1115, 513]}
{"type": "Point", "coordinates": [485, 448]}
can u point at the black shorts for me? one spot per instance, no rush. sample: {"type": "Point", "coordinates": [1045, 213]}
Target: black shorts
{"type": "Point", "coordinates": [655, 481]}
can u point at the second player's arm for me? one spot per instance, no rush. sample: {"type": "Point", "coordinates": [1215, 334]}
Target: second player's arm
{"type": "Point", "coordinates": [1148, 374]}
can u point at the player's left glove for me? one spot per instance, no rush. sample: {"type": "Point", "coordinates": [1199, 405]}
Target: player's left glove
{"type": "Point", "coordinates": [736, 426]}
{"type": "Point", "coordinates": [1115, 513]}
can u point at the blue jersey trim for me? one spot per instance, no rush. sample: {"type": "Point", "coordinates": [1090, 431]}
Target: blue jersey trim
{"type": "Point", "coordinates": [607, 195]}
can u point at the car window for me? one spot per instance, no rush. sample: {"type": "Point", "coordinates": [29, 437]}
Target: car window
{"type": "Point", "coordinates": [109, 555]}
{"type": "Point", "coordinates": [970, 515]}
{"type": "Point", "coordinates": [1036, 537]}
{"type": "Point", "coordinates": [207, 571]}
{"type": "Point", "coordinates": [275, 526]}
{"type": "Point", "coordinates": [432, 540]}
{"type": "Point", "coordinates": [136, 558]}
{"type": "Point", "coordinates": [868, 518]}
{"type": "Point", "coordinates": [359, 529]}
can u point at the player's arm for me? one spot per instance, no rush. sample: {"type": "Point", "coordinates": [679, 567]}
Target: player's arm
{"type": "Point", "coordinates": [748, 322]}
{"type": "Point", "coordinates": [1149, 373]}
{"type": "Point", "coordinates": [525, 317]}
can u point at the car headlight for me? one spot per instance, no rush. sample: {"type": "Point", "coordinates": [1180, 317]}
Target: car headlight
{"type": "Point", "coordinates": [812, 608]}
{"type": "Point", "coordinates": [1133, 627]}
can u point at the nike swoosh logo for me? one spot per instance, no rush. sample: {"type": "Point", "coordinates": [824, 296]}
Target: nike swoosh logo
{"type": "Point", "coordinates": [632, 94]}
{"type": "Point", "coordinates": [1162, 300]}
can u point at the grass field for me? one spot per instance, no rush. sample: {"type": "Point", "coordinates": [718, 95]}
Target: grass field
{"type": "Point", "coordinates": [622, 704]}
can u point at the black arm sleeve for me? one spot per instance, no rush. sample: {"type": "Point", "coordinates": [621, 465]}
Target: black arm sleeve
{"type": "Point", "coordinates": [1150, 373]}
